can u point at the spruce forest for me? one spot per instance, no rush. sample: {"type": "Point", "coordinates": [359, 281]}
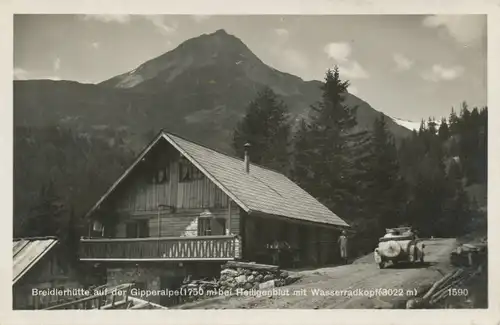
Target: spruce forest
{"type": "Point", "coordinates": [434, 180]}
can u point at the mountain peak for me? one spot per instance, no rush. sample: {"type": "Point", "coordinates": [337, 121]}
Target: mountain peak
{"type": "Point", "coordinates": [220, 36]}
{"type": "Point", "coordinates": [220, 32]}
{"type": "Point", "coordinates": [217, 48]}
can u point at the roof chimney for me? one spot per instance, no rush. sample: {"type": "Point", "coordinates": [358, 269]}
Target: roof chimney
{"type": "Point", "coordinates": [247, 157]}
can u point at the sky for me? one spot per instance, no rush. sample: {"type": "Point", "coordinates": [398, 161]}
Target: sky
{"type": "Point", "coordinates": [407, 66]}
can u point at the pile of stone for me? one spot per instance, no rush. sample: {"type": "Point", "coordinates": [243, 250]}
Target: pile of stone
{"type": "Point", "coordinates": [248, 276]}
{"type": "Point", "coordinates": [233, 276]}
{"type": "Point", "coordinates": [470, 254]}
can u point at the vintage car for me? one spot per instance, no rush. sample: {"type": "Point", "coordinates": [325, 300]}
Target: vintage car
{"type": "Point", "coordinates": [399, 245]}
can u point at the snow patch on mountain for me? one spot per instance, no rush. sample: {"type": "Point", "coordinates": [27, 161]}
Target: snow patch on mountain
{"type": "Point", "coordinates": [412, 125]}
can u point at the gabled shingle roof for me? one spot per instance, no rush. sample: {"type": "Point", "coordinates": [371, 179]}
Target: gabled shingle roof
{"type": "Point", "coordinates": [261, 190]}
{"type": "Point", "coordinates": [27, 252]}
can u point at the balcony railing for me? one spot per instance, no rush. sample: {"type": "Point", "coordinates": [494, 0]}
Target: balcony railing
{"type": "Point", "coordinates": [164, 248]}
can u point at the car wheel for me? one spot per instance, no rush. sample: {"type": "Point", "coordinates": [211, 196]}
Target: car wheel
{"type": "Point", "coordinates": [381, 265]}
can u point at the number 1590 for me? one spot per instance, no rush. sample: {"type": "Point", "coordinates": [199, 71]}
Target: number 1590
{"type": "Point", "coordinates": [458, 292]}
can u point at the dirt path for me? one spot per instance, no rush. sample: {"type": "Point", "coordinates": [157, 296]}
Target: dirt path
{"type": "Point", "coordinates": [329, 287]}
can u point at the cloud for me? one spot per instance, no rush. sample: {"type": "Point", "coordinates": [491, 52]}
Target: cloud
{"type": "Point", "coordinates": [338, 51]}
{"type": "Point", "coordinates": [341, 54]}
{"type": "Point", "coordinates": [440, 73]}
{"type": "Point", "coordinates": [402, 62]}
{"type": "Point", "coordinates": [200, 18]}
{"type": "Point", "coordinates": [57, 64]}
{"type": "Point", "coordinates": [121, 19]}
{"type": "Point", "coordinates": [95, 45]}
{"type": "Point", "coordinates": [163, 27]}
{"type": "Point", "coordinates": [465, 29]}
{"type": "Point", "coordinates": [20, 74]}
{"type": "Point", "coordinates": [282, 32]}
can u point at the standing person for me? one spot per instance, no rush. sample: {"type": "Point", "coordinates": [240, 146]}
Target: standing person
{"type": "Point", "coordinates": [343, 246]}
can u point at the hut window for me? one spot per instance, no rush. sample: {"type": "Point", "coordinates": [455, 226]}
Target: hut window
{"type": "Point", "coordinates": [204, 227]}
{"type": "Point", "coordinates": [211, 226]}
{"type": "Point", "coordinates": [159, 175]}
{"type": "Point", "coordinates": [97, 226]}
{"type": "Point", "coordinates": [162, 176]}
{"type": "Point", "coordinates": [137, 229]}
{"type": "Point", "coordinates": [188, 172]}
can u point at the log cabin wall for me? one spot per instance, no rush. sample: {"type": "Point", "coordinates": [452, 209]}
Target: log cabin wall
{"type": "Point", "coordinates": [314, 244]}
{"type": "Point", "coordinates": [326, 246]}
{"type": "Point", "coordinates": [322, 247]}
{"type": "Point", "coordinates": [166, 178]}
{"type": "Point", "coordinates": [247, 229]}
{"type": "Point", "coordinates": [181, 223]}
{"type": "Point", "coordinates": [258, 232]}
{"type": "Point", "coordinates": [144, 195]}
{"type": "Point", "coordinates": [293, 235]}
{"type": "Point", "coordinates": [311, 249]}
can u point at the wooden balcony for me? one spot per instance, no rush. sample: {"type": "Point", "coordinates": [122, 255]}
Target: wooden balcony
{"type": "Point", "coordinates": [202, 248]}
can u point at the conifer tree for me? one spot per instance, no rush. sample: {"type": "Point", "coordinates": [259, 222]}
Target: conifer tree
{"type": "Point", "coordinates": [432, 126]}
{"type": "Point", "coordinates": [385, 190]}
{"type": "Point", "coordinates": [444, 131]}
{"type": "Point", "coordinates": [302, 172]}
{"type": "Point", "coordinates": [266, 127]}
{"type": "Point", "coordinates": [483, 146]}
{"type": "Point", "coordinates": [454, 122]}
{"type": "Point", "coordinates": [328, 161]}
